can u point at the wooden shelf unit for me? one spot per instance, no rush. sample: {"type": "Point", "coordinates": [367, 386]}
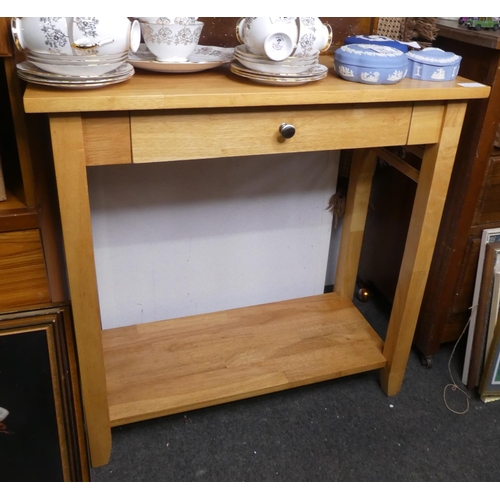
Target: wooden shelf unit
{"type": "Point", "coordinates": [33, 291]}
{"type": "Point", "coordinates": [144, 371]}
{"type": "Point", "coordinates": [29, 181]}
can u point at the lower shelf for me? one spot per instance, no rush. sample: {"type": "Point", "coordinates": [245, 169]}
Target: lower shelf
{"type": "Point", "coordinates": [177, 365]}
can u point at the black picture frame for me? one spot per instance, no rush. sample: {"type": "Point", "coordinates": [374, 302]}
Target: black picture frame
{"type": "Point", "coordinates": [42, 438]}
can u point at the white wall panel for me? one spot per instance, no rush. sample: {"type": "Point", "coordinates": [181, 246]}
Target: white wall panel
{"type": "Point", "coordinates": [182, 238]}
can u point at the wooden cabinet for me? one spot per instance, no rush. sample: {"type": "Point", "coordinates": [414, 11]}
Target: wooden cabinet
{"type": "Point", "coordinates": [29, 217]}
{"type": "Point", "coordinates": [35, 322]}
{"type": "Point", "coordinates": [473, 203]}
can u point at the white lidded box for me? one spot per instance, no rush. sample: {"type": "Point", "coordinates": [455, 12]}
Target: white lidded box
{"type": "Point", "coordinates": [433, 64]}
{"type": "Point", "coordinates": [370, 63]}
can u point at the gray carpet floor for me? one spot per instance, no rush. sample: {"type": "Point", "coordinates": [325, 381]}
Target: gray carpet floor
{"type": "Point", "coordinates": [342, 430]}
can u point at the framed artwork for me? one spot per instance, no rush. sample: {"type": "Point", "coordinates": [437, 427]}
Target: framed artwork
{"type": "Point", "coordinates": [489, 389]}
{"type": "Point", "coordinates": [41, 420]}
{"type": "Point", "coordinates": [487, 312]}
{"type": "Point", "coordinates": [488, 236]}
{"type": "Point", "coordinates": [494, 311]}
{"type": "Point", "coordinates": [3, 192]}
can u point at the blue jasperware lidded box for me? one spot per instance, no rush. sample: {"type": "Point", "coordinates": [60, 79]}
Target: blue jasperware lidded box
{"type": "Point", "coordinates": [433, 64]}
{"type": "Point", "coordinates": [377, 40]}
{"type": "Point", "coordinates": [371, 64]}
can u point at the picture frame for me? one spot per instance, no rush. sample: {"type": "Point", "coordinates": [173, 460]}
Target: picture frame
{"type": "Point", "coordinates": [489, 389]}
{"type": "Point", "coordinates": [488, 236]}
{"type": "Point", "coordinates": [3, 191]}
{"type": "Point", "coordinates": [42, 434]}
{"type": "Point", "coordinates": [494, 312]}
{"type": "Point", "coordinates": [487, 312]}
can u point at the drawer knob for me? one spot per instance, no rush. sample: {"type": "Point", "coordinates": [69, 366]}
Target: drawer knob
{"type": "Point", "coordinates": [287, 130]}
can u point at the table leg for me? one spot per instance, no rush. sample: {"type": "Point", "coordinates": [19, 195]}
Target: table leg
{"type": "Point", "coordinates": [71, 175]}
{"type": "Point", "coordinates": [353, 226]}
{"type": "Point", "coordinates": [437, 164]}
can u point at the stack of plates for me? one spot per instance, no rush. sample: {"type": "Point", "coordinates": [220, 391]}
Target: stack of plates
{"type": "Point", "coordinates": [75, 71]}
{"type": "Point", "coordinates": [291, 71]}
{"type": "Point", "coordinates": [31, 73]}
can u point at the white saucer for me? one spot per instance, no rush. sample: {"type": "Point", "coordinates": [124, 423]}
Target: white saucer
{"type": "Point", "coordinates": [31, 69]}
{"type": "Point", "coordinates": [316, 73]}
{"type": "Point", "coordinates": [125, 72]}
{"type": "Point", "coordinates": [204, 57]}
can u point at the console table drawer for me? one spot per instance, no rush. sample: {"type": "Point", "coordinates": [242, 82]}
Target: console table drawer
{"type": "Point", "coordinates": [183, 135]}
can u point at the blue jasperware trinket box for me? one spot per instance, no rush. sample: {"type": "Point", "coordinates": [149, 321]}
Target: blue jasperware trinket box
{"type": "Point", "coordinates": [372, 64]}
{"type": "Point", "coordinates": [376, 40]}
{"type": "Point", "coordinates": [433, 64]}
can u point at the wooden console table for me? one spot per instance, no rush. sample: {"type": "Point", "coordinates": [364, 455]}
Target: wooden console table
{"type": "Point", "coordinates": [149, 370]}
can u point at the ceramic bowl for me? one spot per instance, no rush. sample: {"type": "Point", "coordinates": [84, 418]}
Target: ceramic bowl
{"type": "Point", "coordinates": [76, 35]}
{"type": "Point", "coordinates": [172, 42]}
{"type": "Point", "coordinates": [314, 36]}
{"type": "Point", "coordinates": [273, 37]}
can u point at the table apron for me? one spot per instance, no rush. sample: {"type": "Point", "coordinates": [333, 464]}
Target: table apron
{"type": "Point", "coordinates": [170, 135]}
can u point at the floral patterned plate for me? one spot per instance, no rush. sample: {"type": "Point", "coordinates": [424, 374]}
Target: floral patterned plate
{"type": "Point", "coordinates": [204, 57]}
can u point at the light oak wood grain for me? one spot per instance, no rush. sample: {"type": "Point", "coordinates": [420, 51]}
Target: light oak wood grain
{"type": "Point", "coordinates": [69, 162]}
{"type": "Point", "coordinates": [107, 139]}
{"type": "Point", "coordinates": [23, 279]}
{"type": "Point", "coordinates": [178, 365]}
{"type": "Point", "coordinates": [426, 123]}
{"type": "Point", "coordinates": [144, 371]}
{"type": "Point", "coordinates": [358, 195]}
{"type": "Point", "coordinates": [398, 164]}
{"type": "Point", "coordinates": [162, 136]}
{"type": "Point", "coordinates": [218, 88]}
{"type": "Point", "coordinates": [435, 172]}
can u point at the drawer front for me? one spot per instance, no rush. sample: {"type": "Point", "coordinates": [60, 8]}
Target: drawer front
{"type": "Point", "coordinates": [23, 276]}
{"type": "Point", "coordinates": [175, 135]}
{"type": "Point", "coordinates": [488, 211]}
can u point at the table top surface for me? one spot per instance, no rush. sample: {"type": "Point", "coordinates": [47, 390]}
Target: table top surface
{"type": "Point", "coordinates": [219, 88]}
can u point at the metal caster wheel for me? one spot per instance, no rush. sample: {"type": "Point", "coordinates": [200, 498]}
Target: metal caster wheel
{"type": "Point", "coordinates": [426, 361]}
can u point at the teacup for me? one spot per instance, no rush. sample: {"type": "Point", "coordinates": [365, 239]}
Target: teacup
{"type": "Point", "coordinates": [172, 42]}
{"type": "Point", "coordinates": [76, 35]}
{"type": "Point", "coordinates": [314, 36]}
{"type": "Point", "coordinates": [105, 35]}
{"type": "Point", "coordinates": [168, 20]}
{"type": "Point", "coordinates": [47, 35]}
{"type": "Point", "coordinates": [274, 37]}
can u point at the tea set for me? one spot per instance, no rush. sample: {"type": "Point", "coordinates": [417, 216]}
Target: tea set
{"type": "Point", "coordinates": [89, 52]}
{"type": "Point", "coordinates": [76, 52]}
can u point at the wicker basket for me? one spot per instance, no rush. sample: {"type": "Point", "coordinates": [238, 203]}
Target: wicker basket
{"type": "Point", "coordinates": [423, 30]}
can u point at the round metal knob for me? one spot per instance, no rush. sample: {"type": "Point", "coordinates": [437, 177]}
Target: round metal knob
{"type": "Point", "coordinates": [287, 130]}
